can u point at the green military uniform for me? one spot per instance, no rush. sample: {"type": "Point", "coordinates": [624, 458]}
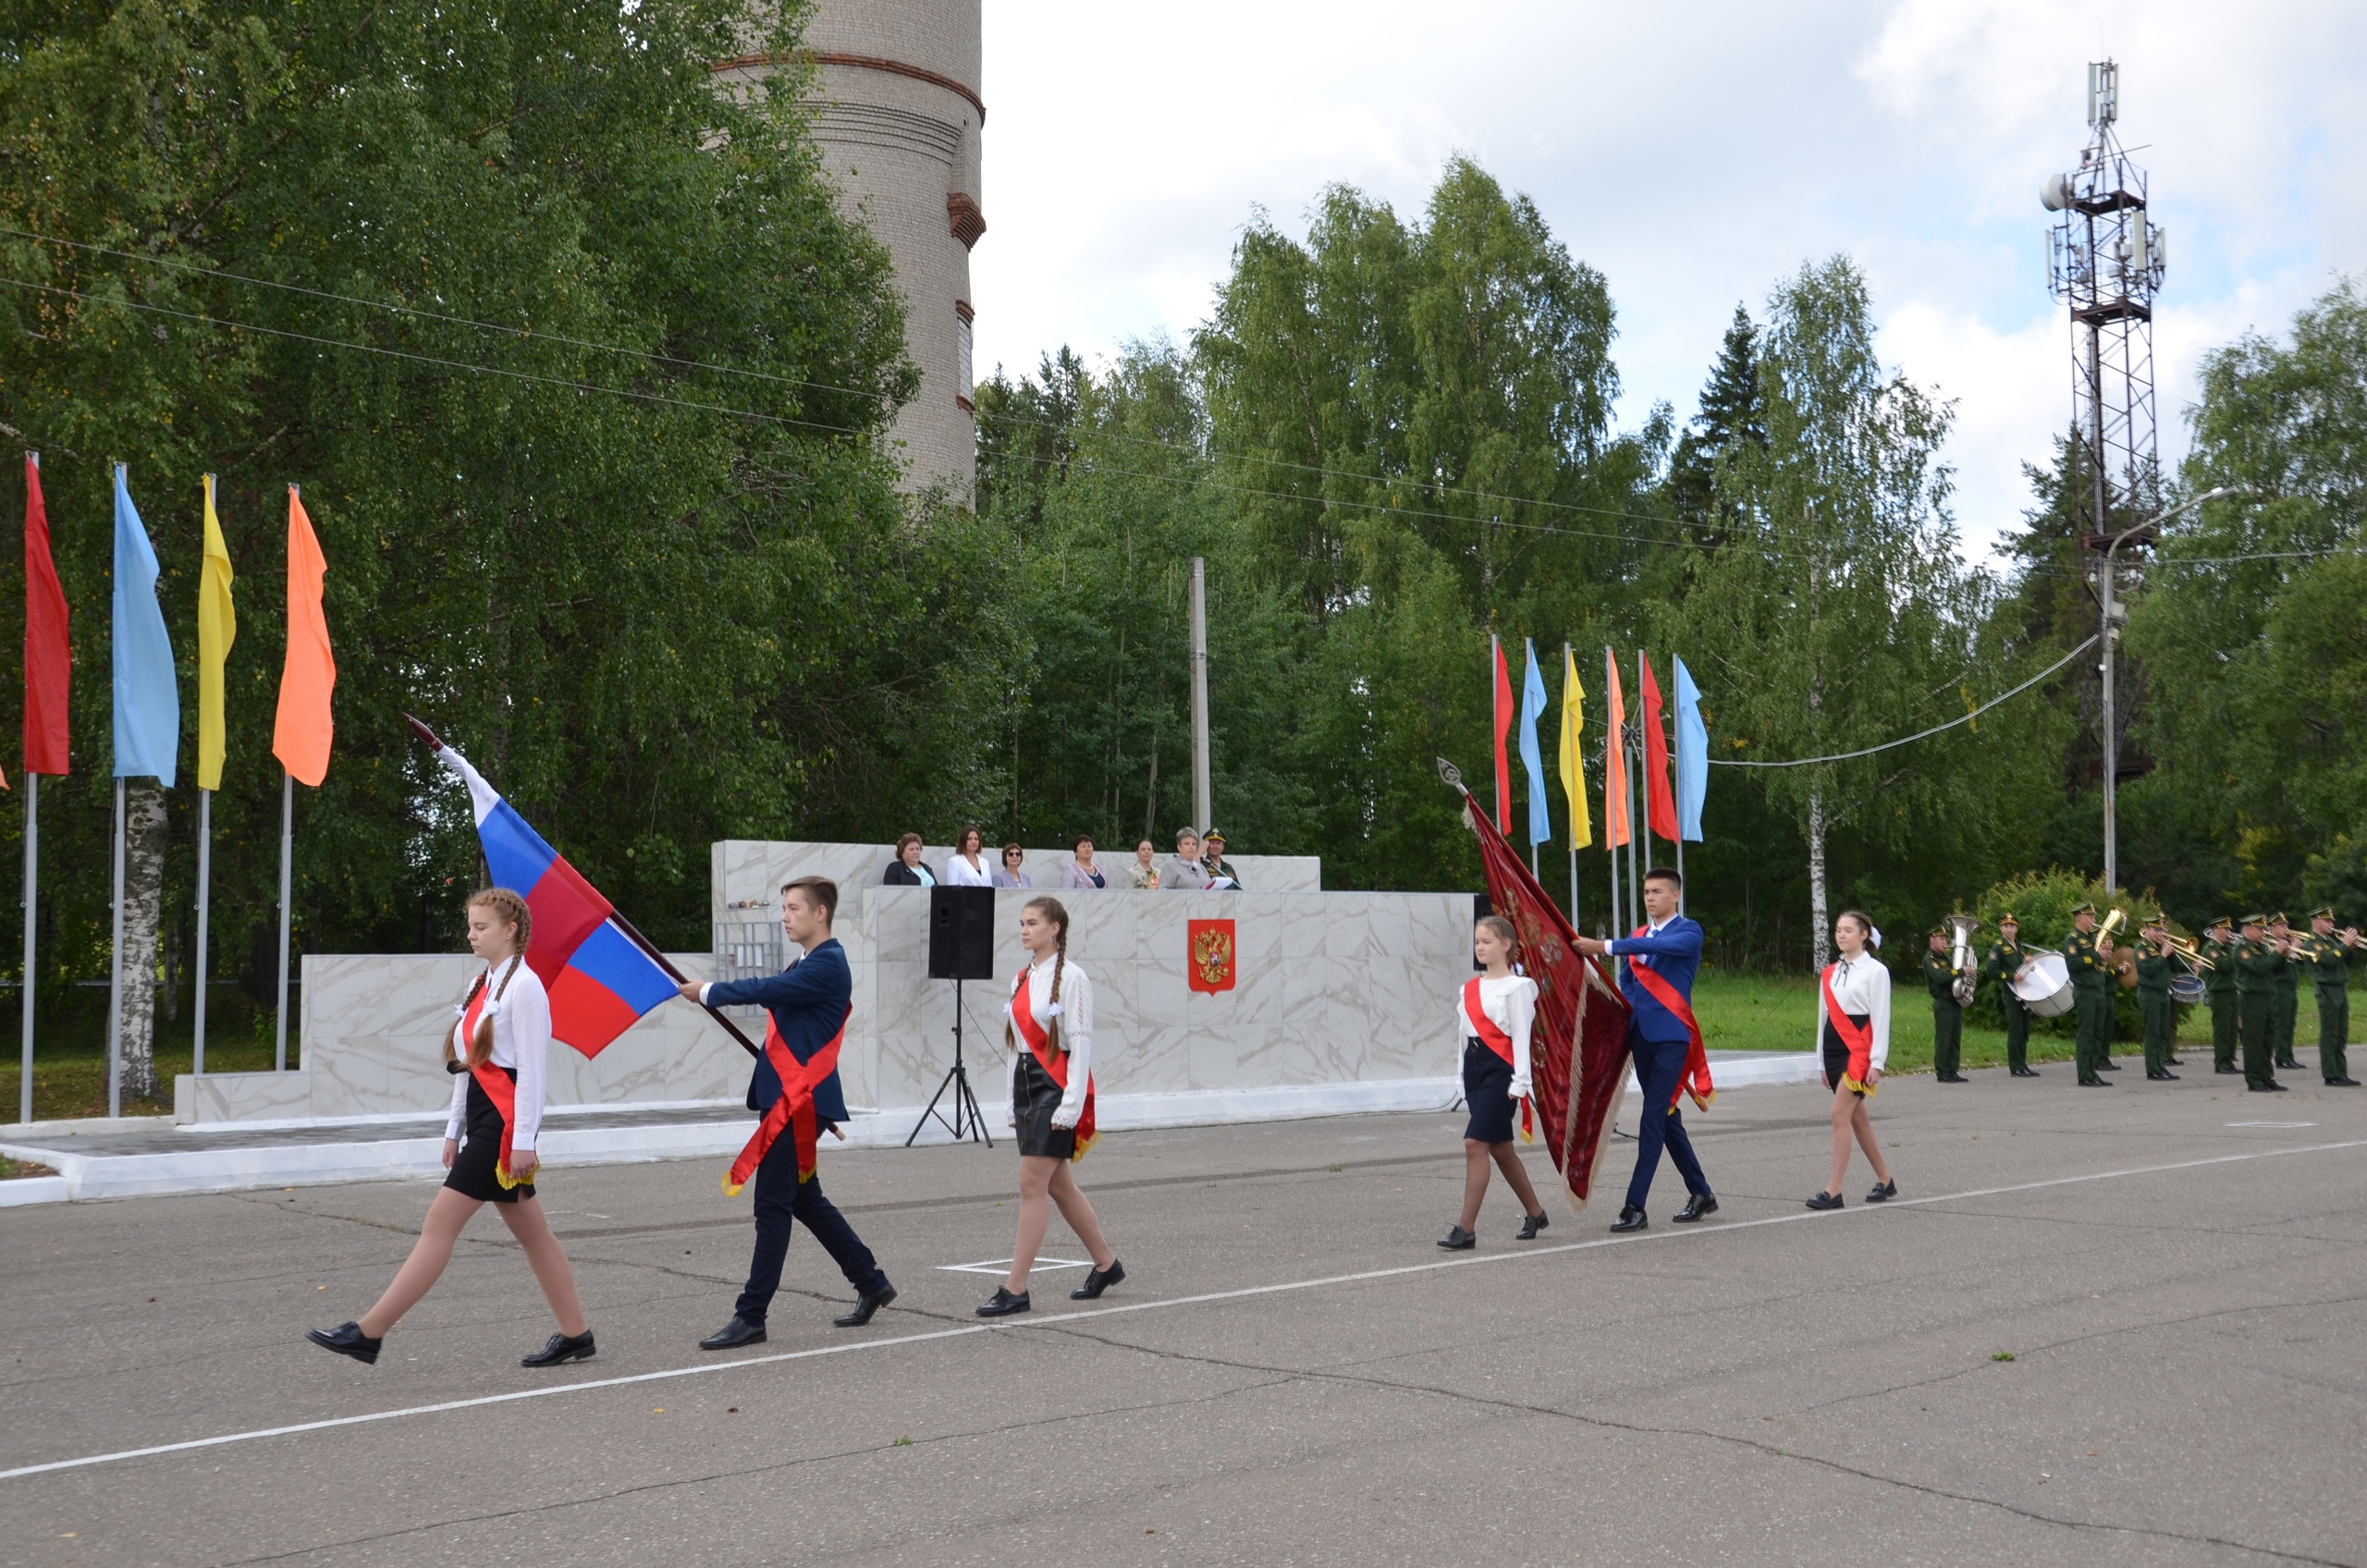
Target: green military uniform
{"type": "Point", "coordinates": [2256, 965]}
{"type": "Point", "coordinates": [1947, 1014]}
{"type": "Point", "coordinates": [2287, 1007]}
{"type": "Point", "coordinates": [2333, 976]}
{"type": "Point", "coordinates": [2000, 963]}
{"type": "Point", "coordinates": [2091, 999]}
{"type": "Point", "coordinates": [2154, 977]}
{"type": "Point", "coordinates": [2219, 989]}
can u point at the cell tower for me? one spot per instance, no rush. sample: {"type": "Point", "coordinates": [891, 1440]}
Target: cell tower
{"type": "Point", "coordinates": [2104, 259]}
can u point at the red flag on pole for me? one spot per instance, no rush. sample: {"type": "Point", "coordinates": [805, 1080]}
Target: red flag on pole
{"type": "Point", "coordinates": [48, 655]}
{"type": "Point", "coordinates": [1504, 728]}
{"type": "Point", "coordinates": [1579, 1044]}
{"type": "Point", "coordinates": [1615, 771]}
{"type": "Point", "coordinates": [1660, 801]}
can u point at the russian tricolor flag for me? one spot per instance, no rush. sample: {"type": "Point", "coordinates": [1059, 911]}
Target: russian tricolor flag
{"type": "Point", "coordinates": [599, 979]}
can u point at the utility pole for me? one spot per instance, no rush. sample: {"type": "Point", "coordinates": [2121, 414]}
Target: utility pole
{"type": "Point", "coordinates": [1203, 807]}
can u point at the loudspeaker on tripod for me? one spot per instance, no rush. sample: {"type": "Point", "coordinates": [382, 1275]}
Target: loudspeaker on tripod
{"type": "Point", "coordinates": [961, 933]}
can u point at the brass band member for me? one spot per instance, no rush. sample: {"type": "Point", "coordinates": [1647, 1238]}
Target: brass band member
{"type": "Point", "coordinates": [2091, 968]}
{"type": "Point", "coordinates": [2331, 956]}
{"type": "Point", "coordinates": [2287, 1006]}
{"type": "Point", "coordinates": [2256, 966]}
{"type": "Point", "coordinates": [1940, 976]}
{"type": "Point", "coordinates": [2005, 963]}
{"type": "Point", "coordinates": [2155, 973]}
{"type": "Point", "coordinates": [2218, 950]}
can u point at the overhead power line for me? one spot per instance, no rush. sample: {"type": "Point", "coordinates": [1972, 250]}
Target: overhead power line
{"type": "Point", "coordinates": [1921, 734]}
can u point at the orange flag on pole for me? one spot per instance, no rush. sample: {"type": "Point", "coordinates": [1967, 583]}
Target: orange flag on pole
{"type": "Point", "coordinates": [1615, 771]}
{"type": "Point", "coordinates": [301, 738]}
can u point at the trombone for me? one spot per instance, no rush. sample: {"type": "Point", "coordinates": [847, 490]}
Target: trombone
{"type": "Point", "coordinates": [2185, 952]}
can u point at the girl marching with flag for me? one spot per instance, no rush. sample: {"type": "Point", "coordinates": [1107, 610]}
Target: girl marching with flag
{"type": "Point", "coordinates": [1049, 1027]}
{"type": "Point", "coordinates": [1493, 1016]}
{"type": "Point", "coordinates": [1853, 1030]}
{"type": "Point", "coordinates": [497, 1055]}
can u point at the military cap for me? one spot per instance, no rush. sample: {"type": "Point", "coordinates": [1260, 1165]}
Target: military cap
{"type": "Point", "coordinates": [2255, 920]}
{"type": "Point", "coordinates": [1941, 930]}
{"type": "Point", "coordinates": [2088, 908]}
{"type": "Point", "coordinates": [2157, 918]}
{"type": "Point", "coordinates": [2007, 919]}
{"type": "Point", "coordinates": [2325, 913]}
{"type": "Point", "coordinates": [2219, 920]}
{"type": "Point", "coordinates": [1213, 835]}
{"type": "Point", "coordinates": [2278, 919]}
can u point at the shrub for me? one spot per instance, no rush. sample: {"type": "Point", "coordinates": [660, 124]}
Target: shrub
{"type": "Point", "coordinates": [2043, 901]}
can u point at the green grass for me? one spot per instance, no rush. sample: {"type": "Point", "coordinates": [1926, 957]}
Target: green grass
{"type": "Point", "coordinates": [12, 1169]}
{"type": "Point", "coordinates": [1764, 1013]}
{"type": "Point", "coordinates": [72, 1082]}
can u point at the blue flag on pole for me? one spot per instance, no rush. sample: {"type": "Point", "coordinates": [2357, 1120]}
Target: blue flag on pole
{"type": "Point", "coordinates": [1532, 709]}
{"type": "Point", "coordinates": [147, 697]}
{"type": "Point", "coordinates": [1692, 755]}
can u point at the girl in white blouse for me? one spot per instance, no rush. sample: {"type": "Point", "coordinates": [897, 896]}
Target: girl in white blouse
{"type": "Point", "coordinates": [1493, 1019]}
{"type": "Point", "coordinates": [1049, 1027]}
{"type": "Point", "coordinates": [497, 1055]}
{"type": "Point", "coordinates": [1853, 1031]}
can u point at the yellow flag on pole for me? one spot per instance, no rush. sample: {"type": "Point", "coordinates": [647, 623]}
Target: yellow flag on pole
{"type": "Point", "coordinates": [1574, 772]}
{"type": "Point", "coordinates": [217, 628]}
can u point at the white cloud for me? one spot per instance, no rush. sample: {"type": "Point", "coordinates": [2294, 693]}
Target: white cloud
{"type": "Point", "coordinates": [1696, 155]}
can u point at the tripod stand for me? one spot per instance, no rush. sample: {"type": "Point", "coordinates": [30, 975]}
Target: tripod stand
{"type": "Point", "coordinates": [957, 1078]}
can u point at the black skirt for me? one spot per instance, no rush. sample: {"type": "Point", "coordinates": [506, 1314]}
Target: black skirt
{"type": "Point", "coordinates": [1033, 1099]}
{"type": "Point", "coordinates": [1487, 1089]}
{"type": "Point", "coordinates": [1837, 1052]}
{"type": "Point", "coordinates": [472, 1174]}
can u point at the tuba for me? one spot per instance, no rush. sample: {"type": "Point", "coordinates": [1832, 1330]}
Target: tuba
{"type": "Point", "coordinates": [1961, 957]}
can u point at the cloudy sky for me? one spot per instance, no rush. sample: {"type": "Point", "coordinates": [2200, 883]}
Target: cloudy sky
{"type": "Point", "coordinates": [1694, 154]}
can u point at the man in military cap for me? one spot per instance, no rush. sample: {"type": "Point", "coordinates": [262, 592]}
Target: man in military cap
{"type": "Point", "coordinates": [1212, 857]}
{"type": "Point", "coordinates": [1940, 973]}
{"type": "Point", "coordinates": [2090, 996]}
{"type": "Point", "coordinates": [2218, 948]}
{"type": "Point", "coordinates": [2154, 978]}
{"type": "Point", "coordinates": [2332, 953]}
{"type": "Point", "coordinates": [2287, 1004]}
{"type": "Point", "coordinates": [2004, 963]}
{"type": "Point", "coordinates": [2256, 965]}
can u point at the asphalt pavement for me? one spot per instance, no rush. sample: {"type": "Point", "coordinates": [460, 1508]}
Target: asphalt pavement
{"type": "Point", "coordinates": [2098, 1327]}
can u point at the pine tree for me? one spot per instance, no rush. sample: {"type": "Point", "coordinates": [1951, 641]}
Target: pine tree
{"type": "Point", "coordinates": [1733, 418]}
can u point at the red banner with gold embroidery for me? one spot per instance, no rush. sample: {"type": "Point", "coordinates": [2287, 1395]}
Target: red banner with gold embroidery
{"type": "Point", "coordinates": [1579, 1044]}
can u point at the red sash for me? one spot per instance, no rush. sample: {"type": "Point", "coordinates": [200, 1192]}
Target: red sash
{"type": "Point", "coordinates": [1496, 1040]}
{"type": "Point", "coordinates": [1695, 1080]}
{"type": "Point", "coordinates": [1859, 1037]}
{"type": "Point", "coordinates": [1055, 1063]}
{"type": "Point", "coordinates": [794, 1110]}
{"type": "Point", "coordinates": [498, 1087]}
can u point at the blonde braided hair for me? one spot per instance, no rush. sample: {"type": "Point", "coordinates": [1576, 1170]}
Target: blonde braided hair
{"type": "Point", "coordinates": [1058, 915]}
{"type": "Point", "coordinates": [512, 911]}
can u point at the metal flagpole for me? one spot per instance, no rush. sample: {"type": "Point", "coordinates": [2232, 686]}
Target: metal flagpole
{"type": "Point", "coordinates": [33, 883]}
{"type": "Point", "coordinates": [115, 988]}
{"type": "Point", "coordinates": [287, 853]}
{"type": "Point", "coordinates": [1611, 850]}
{"type": "Point", "coordinates": [1577, 760]}
{"type": "Point", "coordinates": [1635, 822]}
{"type": "Point", "coordinates": [204, 903]}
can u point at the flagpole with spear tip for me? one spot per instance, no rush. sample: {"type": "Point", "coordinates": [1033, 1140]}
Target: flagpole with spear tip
{"type": "Point", "coordinates": [632, 933]}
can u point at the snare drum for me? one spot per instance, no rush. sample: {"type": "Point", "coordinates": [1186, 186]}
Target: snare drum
{"type": "Point", "coordinates": [2045, 985]}
{"type": "Point", "coordinates": [2187, 988]}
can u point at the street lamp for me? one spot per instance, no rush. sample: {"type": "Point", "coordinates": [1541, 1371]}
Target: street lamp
{"type": "Point", "coordinates": [2113, 616]}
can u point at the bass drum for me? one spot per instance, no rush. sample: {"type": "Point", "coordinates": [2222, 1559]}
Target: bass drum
{"type": "Point", "coordinates": [2187, 988]}
{"type": "Point", "coordinates": [2045, 985]}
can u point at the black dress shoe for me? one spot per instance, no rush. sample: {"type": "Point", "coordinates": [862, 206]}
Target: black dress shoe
{"type": "Point", "coordinates": [865, 1305]}
{"type": "Point", "coordinates": [1097, 1281]}
{"type": "Point", "coordinates": [562, 1347]}
{"type": "Point", "coordinates": [2342, 1083]}
{"type": "Point", "coordinates": [347, 1340]}
{"type": "Point", "coordinates": [2289, 1064]}
{"type": "Point", "coordinates": [2093, 1084]}
{"type": "Point", "coordinates": [2230, 1072]}
{"type": "Point", "coordinates": [2107, 1065]}
{"type": "Point", "coordinates": [1695, 1205]}
{"type": "Point", "coordinates": [1953, 1078]}
{"type": "Point", "coordinates": [734, 1334]}
{"type": "Point", "coordinates": [1457, 1239]}
{"type": "Point", "coordinates": [1630, 1219]}
{"type": "Point", "coordinates": [1530, 1224]}
{"type": "Point", "coordinates": [1825, 1200]}
{"type": "Point", "coordinates": [2267, 1089]}
{"type": "Point", "coordinates": [1004, 1304]}
{"type": "Point", "coordinates": [2173, 1061]}
{"type": "Point", "coordinates": [2026, 1072]}
{"type": "Point", "coordinates": [1884, 1191]}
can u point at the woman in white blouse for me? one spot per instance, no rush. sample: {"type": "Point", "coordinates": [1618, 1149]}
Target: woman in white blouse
{"type": "Point", "coordinates": [1492, 1018]}
{"type": "Point", "coordinates": [1049, 1027]}
{"type": "Point", "coordinates": [497, 1055]}
{"type": "Point", "coordinates": [966, 867]}
{"type": "Point", "coordinates": [1853, 1031]}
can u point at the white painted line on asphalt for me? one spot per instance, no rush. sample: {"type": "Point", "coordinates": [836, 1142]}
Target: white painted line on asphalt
{"type": "Point", "coordinates": [1002, 1265]}
{"type": "Point", "coordinates": [1014, 1324]}
{"type": "Point", "coordinates": [2272, 1124]}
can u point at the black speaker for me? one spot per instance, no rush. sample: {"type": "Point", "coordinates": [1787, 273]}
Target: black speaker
{"type": "Point", "coordinates": [961, 933]}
